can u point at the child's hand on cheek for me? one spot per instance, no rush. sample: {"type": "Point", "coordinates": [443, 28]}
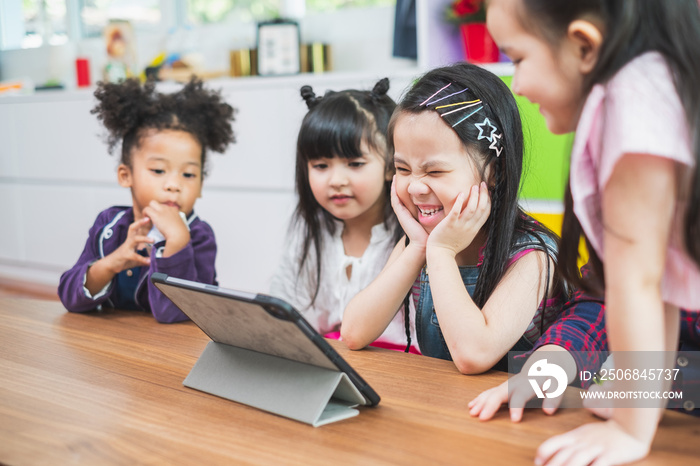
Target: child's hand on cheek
{"type": "Point", "coordinates": [461, 225]}
{"type": "Point", "coordinates": [168, 221]}
{"type": "Point", "coordinates": [126, 255]}
{"type": "Point", "coordinates": [414, 230]}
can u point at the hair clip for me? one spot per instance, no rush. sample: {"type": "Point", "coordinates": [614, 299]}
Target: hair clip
{"type": "Point", "coordinates": [458, 103]}
{"type": "Point", "coordinates": [471, 103]}
{"type": "Point", "coordinates": [472, 113]}
{"type": "Point", "coordinates": [447, 96]}
{"type": "Point", "coordinates": [496, 138]}
{"type": "Point", "coordinates": [439, 91]}
{"type": "Point", "coordinates": [481, 130]}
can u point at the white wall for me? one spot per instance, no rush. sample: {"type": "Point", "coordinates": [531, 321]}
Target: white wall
{"type": "Point", "coordinates": [361, 40]}
{"type": "Point", "coordinates": [56, 176]}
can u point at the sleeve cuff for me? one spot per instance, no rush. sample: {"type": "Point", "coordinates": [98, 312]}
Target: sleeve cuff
{"type": "Point", "coordinates": [100, 293]}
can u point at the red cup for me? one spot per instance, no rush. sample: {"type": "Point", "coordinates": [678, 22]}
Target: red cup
{"type": "Point", "coordinates": [82, 68]}
{"type": "Point", "coordinates": [479, 47]}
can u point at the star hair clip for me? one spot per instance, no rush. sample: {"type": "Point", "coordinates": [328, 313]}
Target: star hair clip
{"type": "Point", "coordinates": [487, 130]}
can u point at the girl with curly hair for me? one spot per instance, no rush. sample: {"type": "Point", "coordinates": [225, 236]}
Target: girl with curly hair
{"type": "Point", "coordinates": [164, 140]}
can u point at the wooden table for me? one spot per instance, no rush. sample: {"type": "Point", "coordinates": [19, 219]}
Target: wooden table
{"type": "Point", "coordinates": [107, 389]}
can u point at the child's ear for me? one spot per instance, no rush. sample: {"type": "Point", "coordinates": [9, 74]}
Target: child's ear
{"type": "Point", "coordinates": [587, 38]}
{"type": "Point", "coordinates": [124, 176]}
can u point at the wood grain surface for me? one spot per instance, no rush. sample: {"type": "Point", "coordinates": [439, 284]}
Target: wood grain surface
{"type": "Point", "coordinates": [106, 388]}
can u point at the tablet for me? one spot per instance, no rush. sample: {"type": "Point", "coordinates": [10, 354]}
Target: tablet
{"type": "Point", "coordinates": [259, 323]}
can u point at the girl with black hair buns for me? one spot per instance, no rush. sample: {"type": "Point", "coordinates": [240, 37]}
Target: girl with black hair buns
{"type": "Point", "coordinates": [164, 140]}
{"type": "Point", "coordinates": [343, 227]}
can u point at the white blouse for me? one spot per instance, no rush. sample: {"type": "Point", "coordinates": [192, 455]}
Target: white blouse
{"type": "Point", "coordinates": [336, 289]}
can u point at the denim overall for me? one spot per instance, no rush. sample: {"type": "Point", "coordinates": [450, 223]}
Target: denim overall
{"type": "Point", "coordinates": [430, 339]}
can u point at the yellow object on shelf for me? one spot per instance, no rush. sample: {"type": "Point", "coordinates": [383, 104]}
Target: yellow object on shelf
{"type": "Point", "coordinates": [315, 58]}
{"type": "Point", "coordinates": [243, 62]}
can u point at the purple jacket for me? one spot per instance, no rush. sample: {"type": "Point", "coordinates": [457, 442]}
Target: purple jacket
{"type": "Point", "coordinates": [194, 262]}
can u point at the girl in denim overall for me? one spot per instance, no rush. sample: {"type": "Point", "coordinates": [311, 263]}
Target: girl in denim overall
{"type": "Point", "coordinates": [480, 270]}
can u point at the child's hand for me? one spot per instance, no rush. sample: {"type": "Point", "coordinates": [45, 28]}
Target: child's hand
{"type": "Point", "coordinates": [168, 221]}
{"type": "Point", "coordinates": [598, 443]}
{"type": "Point", "coordinates": [487, 403]}
{"type": "Point", "coordinates": [599, 406]}
{"type": "Point", "coordinates": [459, 227]}
{"type": "Point", "coordinates": [101, 272]}
{"type": "Point", "coordinates": [126, 255]}
{"type": "Point", "coordinates": [414, 230]}
{"type": "Point", "coordinates": [518, 390]}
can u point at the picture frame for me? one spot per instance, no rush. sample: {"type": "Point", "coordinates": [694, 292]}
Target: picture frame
{"type": "Point", "coordinates": [278, 44]}
{"type": "Point", "coordinates": [121, 51]}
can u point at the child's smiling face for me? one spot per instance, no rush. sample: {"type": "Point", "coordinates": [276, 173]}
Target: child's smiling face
{"type": "Point", "coordinates": [548, 76]}
{"type": "Point", "coordinates": [432, 166]}
{"type": "Point", "coordinates": [166, 166]}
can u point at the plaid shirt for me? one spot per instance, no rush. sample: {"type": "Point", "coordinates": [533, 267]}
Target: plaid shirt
{"type": "Point", "coordinates": [580, 329]}
{"type": "Point", "coordinates": [690, 345]}
{"type": "Point", "coordinates": [690, 329]}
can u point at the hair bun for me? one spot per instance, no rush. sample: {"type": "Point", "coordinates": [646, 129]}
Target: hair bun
{"type": "Point", "coordinates": [380, 89]}
{"type": "Point", "coordinates": [307, 93]}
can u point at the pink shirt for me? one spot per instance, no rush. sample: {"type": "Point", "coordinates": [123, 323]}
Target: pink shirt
{"type": "Point", "coordinates": [637, 111]}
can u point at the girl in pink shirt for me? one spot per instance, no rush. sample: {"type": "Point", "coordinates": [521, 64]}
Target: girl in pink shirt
{"type": "Point", "coordinates": [624, 75]}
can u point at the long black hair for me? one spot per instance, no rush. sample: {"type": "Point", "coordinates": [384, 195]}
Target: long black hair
{"type": "Point", "coordinates": [503, 162]}
{"type": "Point", "coordinates": [631, 28]}
{"type": "Point", "coordinates": [336, 125]}
{"type": "Point", "coordinates": [128, 109]}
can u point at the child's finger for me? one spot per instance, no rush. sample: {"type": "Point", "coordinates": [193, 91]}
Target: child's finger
{"type": "Point", "coordinates": [516, 414]}
{"type": "Point", "coordinates": [142, 239]}
{"type": "Point", "coordinates": [553, 445]}
{"type": "Point", "coordinates": [491, 407]}
{"type": "Point", "coordinates": [519, 396]}
{"type": "Point", "coordinates": [395, 201]}
{"type": "Point", "coordinates": [473, 201]}
{"type": "Point", "coordinates": [141, 260]}
{"type": "Point", "coordinates": [458, 205]}
{"type": "Point", "coordinates": [484, 198]}
{"type": "Point", "coordinates": [476, 404]}
{"type": "Point", "coordinates": [150, 211]}
{"type": "Point", "coordinates": [399, 208]}
{"type": "Point", "coordinates": [550, 405]}
{"type": "Point", "coordinates": [154, 208]}
{"type": "Point", "coordinates": [138, 224]}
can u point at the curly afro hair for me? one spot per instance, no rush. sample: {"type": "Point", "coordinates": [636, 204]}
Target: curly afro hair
{"type": "Point", "coordinates": [129, 109]}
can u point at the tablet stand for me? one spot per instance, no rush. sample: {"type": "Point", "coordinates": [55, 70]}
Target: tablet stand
{"type": "Point", "coordinates": [310, 394]}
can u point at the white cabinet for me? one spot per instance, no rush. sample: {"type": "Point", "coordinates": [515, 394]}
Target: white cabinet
{"type": "Point", "coordinates": [56, 176]}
